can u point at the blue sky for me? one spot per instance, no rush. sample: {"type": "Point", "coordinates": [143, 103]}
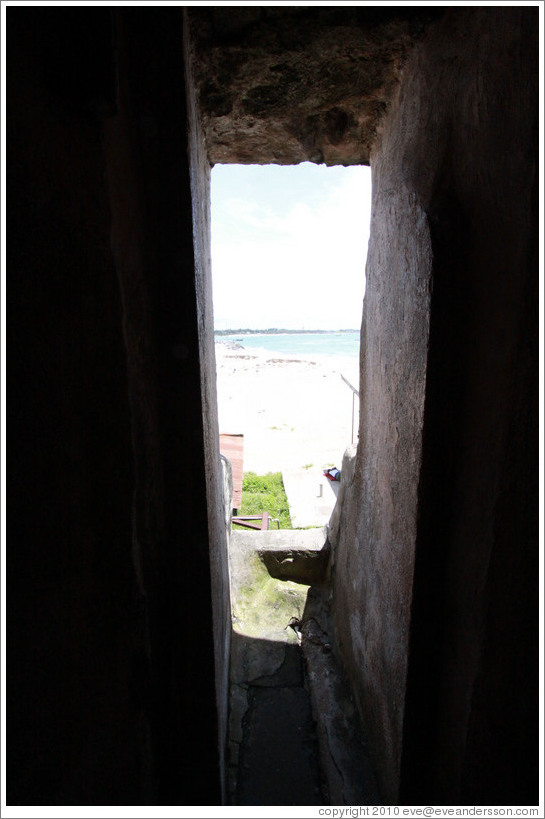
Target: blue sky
{"type": "Point", "coordinates": [289, 245]}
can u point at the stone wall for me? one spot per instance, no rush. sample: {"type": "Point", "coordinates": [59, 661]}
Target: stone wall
{"type": "Point", "coordinates": [118, 630]}
{"type": "Point", "coordinates": [373, 562]}
{"type": "Point", "coordinates": [111, 696]}
{"type": "Point", "coordinates": [76, 646]}
{"type": "Point", "coordinates": [294, 84]}
{"type": "Point", "coordinates": [475, 594]}
{"type": "Point", "coordinates": [218, 474]}
{"type": "Point", "coordinates": [445, 483]}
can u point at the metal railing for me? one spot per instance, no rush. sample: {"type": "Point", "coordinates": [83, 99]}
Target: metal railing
{"type": "Point", "coordinates": [355, 393]}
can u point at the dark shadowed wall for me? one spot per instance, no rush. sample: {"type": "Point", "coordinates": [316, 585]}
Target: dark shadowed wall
{"type": "Point", "coordinates": [471, 710]}
{"type": "Point", "coordinates": [111, 691]}
{"type": "Point", "coordinates": [218, 485]}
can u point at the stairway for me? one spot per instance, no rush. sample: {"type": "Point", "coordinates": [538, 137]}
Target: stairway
{"type": "Point", "coordinates": [294, 734]}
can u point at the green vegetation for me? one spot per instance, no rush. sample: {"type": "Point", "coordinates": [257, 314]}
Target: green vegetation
{"type": "Point", "coordinates": [265, 493]}
{"type": "Point", "coordinates": [263, 606]}
{"type": "Point", "coordinates": [308, 466]}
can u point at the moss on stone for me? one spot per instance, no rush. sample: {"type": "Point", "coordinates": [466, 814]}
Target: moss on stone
{"type": "Point", "coordinates": [263, 606]}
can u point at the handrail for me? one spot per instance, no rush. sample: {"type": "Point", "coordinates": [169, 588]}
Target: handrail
{"type": "Point", "coordinates": [354, 393]}
{"type": "Point", "coordinates": [348, 384]}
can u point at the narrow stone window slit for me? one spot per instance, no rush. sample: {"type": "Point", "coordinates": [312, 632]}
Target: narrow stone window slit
{"type": "Point", "coordinates": [288, 255]}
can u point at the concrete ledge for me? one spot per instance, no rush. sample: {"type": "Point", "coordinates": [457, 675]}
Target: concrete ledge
{"type": "Point", "coordinates": [307, 566]}
{"type": "Point", "coordinates": [289, 554]}
{"type": "Point", "coordinates": [311, 540]}
{"type": "Point", "coordinates": [311, 496]}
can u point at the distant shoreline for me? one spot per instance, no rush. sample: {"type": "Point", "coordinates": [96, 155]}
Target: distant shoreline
{"type": "Point", "coordinates": [276, 332]}
{"type": "Point", "coordinates": [294, 410]}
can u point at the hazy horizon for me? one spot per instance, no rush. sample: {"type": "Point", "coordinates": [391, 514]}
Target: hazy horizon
{"type": "Point", "coordinates": [277, 330]}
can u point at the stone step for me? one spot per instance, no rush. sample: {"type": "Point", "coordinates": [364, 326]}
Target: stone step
{"type": "Point", "coordinates": [300, 555]}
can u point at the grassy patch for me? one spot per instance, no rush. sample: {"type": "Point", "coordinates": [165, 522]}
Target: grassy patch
{"type": "Point", "coordinates": [265, 493]}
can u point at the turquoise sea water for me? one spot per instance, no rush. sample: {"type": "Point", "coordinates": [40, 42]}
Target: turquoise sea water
{"type": "Point", "coordinates": [334, 344]}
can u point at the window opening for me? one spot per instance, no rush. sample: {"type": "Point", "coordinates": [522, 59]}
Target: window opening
{"type": "Point", "coordinates": [288, 268]}
{"type": "Point", "coordinates": [288, 262]}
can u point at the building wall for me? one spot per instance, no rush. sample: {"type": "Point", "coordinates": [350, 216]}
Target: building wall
{"type": "Point", "coordinates": [111, 690]}
{"type": "Point", "coordinates": [445, 483]}
{"type": "Point", "coordinates": [114, 496]}
{"type": "Point", "coordinates": [475, 594]}
{"type": "Point", "coordinates": [217, 469]}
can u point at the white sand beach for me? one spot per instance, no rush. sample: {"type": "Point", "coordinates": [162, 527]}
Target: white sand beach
{"type": "Point", "coordinates": [295, 412]}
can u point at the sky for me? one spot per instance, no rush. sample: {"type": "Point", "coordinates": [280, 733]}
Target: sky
{"type": "Point", "coordinates": [289, 245]}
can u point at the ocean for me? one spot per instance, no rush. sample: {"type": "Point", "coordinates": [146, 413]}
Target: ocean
{"type": "Point", "coordinates": [329, 343]}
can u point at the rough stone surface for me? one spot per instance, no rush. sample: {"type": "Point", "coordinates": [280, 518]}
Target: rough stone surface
{"type": "Point", "coordinates": [301, 565]}
{"type": "Point", "coordinates": [285, 748]}
{"type": "Point", "coordinates": [108, 537]}
{"type": "Point", "coordinates": [111, 393]}
{"type": "Point", "coordinates": [347, 477]}
{"type": "Point", "coordinates": [272, 744]}
{"type": "Point", "coordinates": [76, 643]}
{"type": "Point", "coordinates": [218, 514]}
{"type": "Point", "coordinates": [152, 202]}
{"type": "Point", "coordinates": [376, 522]}
{"type": "Point", "coordinates": [227, 473]}
{"type": "Point", "coordinates": [279, 753]}
{"type": "Point", "coordinates": [298, 555]}
{"type": "Point", "coordinates": [295, 84]}
{"type": "Point", "coordinates": [347, 771]}
{"type": "Point", "coordinates": [450, 273]}
{"type": "Point", "coordinates": [475, 593]}
{"type": "Point", "coordinates": [261, 605]}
